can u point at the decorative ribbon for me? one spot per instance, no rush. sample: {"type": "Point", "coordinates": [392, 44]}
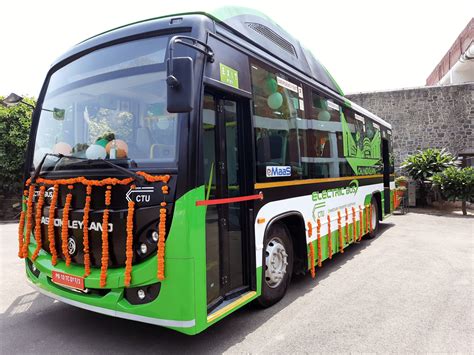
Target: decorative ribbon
{"type": "Point", "coordinates": [51, 239]}
{"type": "Point", "coordinates": [361, 220]}
{"type": "Point", "coordinates": [64, 227]}
{"type": "Point", "coordinates": [354, 225]}
{"type": "Point", "coordinates": [21, 226]}
{"type": "Point", "coordinates": [161, 243]}
{"type": "Point", "coordinates": [129, 251]}
{"type": "Point", "coordinates": [347, 226]}
{"type": "Point", "coordinates": [29, 221]}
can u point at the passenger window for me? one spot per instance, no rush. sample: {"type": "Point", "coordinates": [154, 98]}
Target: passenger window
{"type": "Point", "coordinates": [278, 110]}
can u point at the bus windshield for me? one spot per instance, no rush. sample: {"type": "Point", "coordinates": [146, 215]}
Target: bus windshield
{"type": "Point", "coordinates": [110, 104]}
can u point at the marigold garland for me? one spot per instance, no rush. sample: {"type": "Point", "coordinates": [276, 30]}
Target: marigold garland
{"type": "Point", "coordinates": [339, 231]}
{"type": "Point", "coordinates": [329, 237]}
{"type": "Point", "coordinates": [354, 225]}
{"type": "Point", "coordinates": [311, 251]}
{"type": "Point", "coordinates": [371, 228]}
{"type": "Point", "coordinates": [347, 226]}
{"type": "Point", "coordinates": [51, 238]}
{"type": "Point", "coordinates": [129, 250]}
{"type": "Point", "coordinates": [105, 238]}
{"type": "Point", "coordinates": [29, 219]}
{"type": "Point", "coordinates": [85, 231]}
{"type": "Point", "coordinates": [65, 227]}
{"type": "Point", "coordinates": [39, 212]}
{"type": "Point", "coordinates": [361, 220]}
{"type": "Point", "coordinates": [109, 182]}
{"type": "Point", "coordinates": [318, 235]}
{"type": "Point", "coordinates": [161, 242]}
{"type": "Point", "coordinates": [21, 226]}
{"type": "Point", "coordinates": [366, 219]}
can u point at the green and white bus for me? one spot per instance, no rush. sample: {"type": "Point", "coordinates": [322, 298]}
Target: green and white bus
{"type": "Point", "coordinates": [181, 167]}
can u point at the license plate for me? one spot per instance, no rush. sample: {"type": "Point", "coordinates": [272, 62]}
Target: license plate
{"type": "Point", "coordinates": [67, 280]}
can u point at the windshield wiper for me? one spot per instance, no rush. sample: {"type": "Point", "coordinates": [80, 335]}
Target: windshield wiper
{"type": "Point", "coordinates": [127, 172]}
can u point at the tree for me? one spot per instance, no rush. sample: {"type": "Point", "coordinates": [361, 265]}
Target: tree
{"type": "Point", "coordinates": [422, 165]}
{"type": "Point", "coordinates": [456, 184]}
{"type": "Point", "coordinates": [15, 125]}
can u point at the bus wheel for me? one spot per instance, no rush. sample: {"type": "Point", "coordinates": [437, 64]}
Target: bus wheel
{"type": "Point", "coordinates": [375, 219]}
{"type": "Point", "coordinates": [277, 265]}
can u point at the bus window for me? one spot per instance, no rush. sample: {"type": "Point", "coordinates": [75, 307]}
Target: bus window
{"type": "Point", "coordinates": [320, 149]}
{"type": "Point", "coordinates": [278, 107]}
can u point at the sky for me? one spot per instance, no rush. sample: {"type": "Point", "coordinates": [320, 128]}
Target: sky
{"type": "Point", "coordinates": [366, 45]}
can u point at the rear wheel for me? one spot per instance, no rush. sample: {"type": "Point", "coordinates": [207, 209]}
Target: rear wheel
{"type": "Point", "coordinates": [277, 265]}
{"type": "Point", "coordinates": [374, 219]}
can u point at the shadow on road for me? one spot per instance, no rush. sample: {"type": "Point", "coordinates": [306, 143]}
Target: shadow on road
{"type": "Point", "coordinates": [54, 327]}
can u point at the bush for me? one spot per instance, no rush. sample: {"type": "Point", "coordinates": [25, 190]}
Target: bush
{"type": "Point", "coordinates": [456, 185]}
{"type": "Point", "coordinates": [422, 165]}
{"type": "Point", "coordinates": [15, 125]}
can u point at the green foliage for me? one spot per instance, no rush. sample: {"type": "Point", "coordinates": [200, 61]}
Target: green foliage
{"type": "Point", "coordinates": [15, 125]}
{"type": "Point", "coordinates": [456, 184]}
{"type": "Point", "coordinates": [401, 180]}
{"type": "Point", "coordinates": [422, 165]}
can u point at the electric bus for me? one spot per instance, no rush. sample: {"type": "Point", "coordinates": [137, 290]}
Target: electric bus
{"type": "Point", "coordinates": [181, 167]}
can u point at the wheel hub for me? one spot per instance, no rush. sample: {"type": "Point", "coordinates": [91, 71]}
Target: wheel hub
{"type": "Point", "coordinates": [276, 261]}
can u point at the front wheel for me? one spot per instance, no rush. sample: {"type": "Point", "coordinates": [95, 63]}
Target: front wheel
{"type": "Point", "coordinates": [374, 219]}
{"type": "Point", "coordinates": [277, 265]}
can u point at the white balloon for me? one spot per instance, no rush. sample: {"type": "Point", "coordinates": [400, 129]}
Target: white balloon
{"type": "Point", "coordinates": [96, 151]}
{"type": "Point", "coordinates": [39, 154]}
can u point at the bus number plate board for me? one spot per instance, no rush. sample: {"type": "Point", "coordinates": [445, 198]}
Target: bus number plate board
{"type": "Point", "coordinates": [67, 280]}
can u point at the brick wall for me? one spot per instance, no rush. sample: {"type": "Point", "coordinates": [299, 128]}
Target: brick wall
{"type": "Point", "coordinates": [426, 117]}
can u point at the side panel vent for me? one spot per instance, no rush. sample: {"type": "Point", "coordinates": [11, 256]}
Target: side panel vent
{"type": "Point", "coordinates": [272, 36]}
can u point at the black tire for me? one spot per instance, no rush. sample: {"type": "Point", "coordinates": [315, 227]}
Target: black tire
{"type": "Point", "coordinates": [375, 219]}
{"type": "Point", "coordinates": [273, 291]}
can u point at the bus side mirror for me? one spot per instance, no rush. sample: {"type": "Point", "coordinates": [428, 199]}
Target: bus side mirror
{"type": "Point", "coordinates": [180, 85]}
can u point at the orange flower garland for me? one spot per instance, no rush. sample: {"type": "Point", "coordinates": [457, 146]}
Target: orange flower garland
{"type": "Point", "coordinates": [28, 218]}
{"type": "Point", "coordinates": [339, 231]}
{"type": "Point", "coordinates": [21, 227]}
{"type": "Point", "coordinates": [85, 231]}
{"type": "Point", "coordinates": [318, 235]}
{"type": "Point", "coordinates": [29, 221]}
{"type": "Point", "coordinates": [347, 226]}
{"type": "Point", "coordinates": [329, 237]}
{"type": "Point", "coordinates": [366, 219]}
{"type": "Point", "coordinates": [371, 228]}
{"type": "Point", "coordinates": [51, 239]}
{"type": "Point", "coordinates": [311, 251]}
{"type": "Point", "coordinates": [129, 251]}
{"type": "Point", "coordinates": [354, 225]}
{"type": "Point", "coordinates": [105, 238]}
{"type": "Point", "coordinates": [161, 242]}
{"type": "Point", "coordinates": [64, 227]}
{"type": "Point", "coordinates": [361, 221]}
{"type": "Point", "coordinates": [39, 212]}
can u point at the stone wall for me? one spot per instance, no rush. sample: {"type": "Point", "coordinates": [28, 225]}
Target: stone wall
{"type": "Point", "coordinates": [426, 117]}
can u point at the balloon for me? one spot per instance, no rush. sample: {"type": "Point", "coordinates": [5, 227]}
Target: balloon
{"type": "Point", "coordinates": [96, 151]}
{"type": "Point", "coordinates": [324, 116]}
{"type": "Point", "coordinates": [103, 142]}
{"type": "Point", "coordinates": [39, 154]}
{"type": "Point", "coordinates": [271, 85]}
{"type": "Point", "coordinates": [120, 146]}
{"type": "Point", "coordinates": [275, 101]}
{"type": "Point", "coordinates": [62, 148]}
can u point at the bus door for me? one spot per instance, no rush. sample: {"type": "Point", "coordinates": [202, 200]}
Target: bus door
{"type": "Point", "coordinates": [386, 176]}
{"type": "Point", "coordinates": [226, 188]}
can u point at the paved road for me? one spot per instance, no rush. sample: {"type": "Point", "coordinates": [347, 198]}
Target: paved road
{"type": "Point", "coordinates": [410, 290]}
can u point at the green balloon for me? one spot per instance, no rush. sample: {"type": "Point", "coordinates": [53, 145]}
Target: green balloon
{"type": "Point", "coordinates": [324, 116]}
{"type": "Point", "coordinates": [102, 142]}
{"type": "Point", "coordinates": [271, 85]}
{"type": "Point", "coordinates": [275, 101]}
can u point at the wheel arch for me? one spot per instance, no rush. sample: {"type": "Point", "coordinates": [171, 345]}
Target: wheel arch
{"type": "Point", "coordinates": [377, 195]}
{"type": "Point", "coordinates": [294, 222]}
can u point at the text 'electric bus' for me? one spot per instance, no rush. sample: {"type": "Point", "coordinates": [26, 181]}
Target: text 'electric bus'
{"type": "Point", "coordinates": [181, 167]}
